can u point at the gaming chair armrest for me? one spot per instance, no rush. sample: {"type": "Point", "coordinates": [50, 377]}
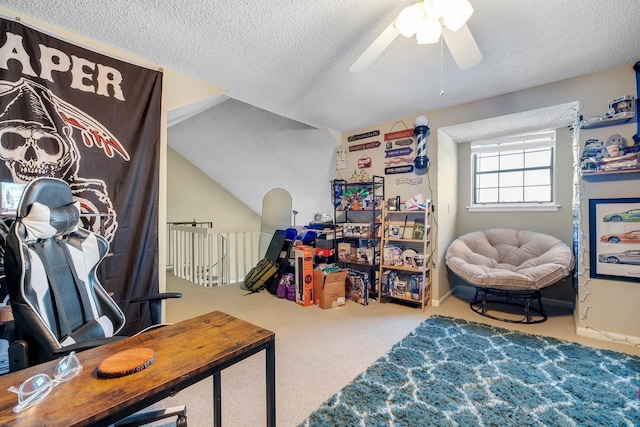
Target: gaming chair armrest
{"type": "Point", "coordinates": [84, 345]}
{"type": "Point", "coordinates": [18, 350]}
{"type": "Point", "coordinates": [160, 296]}
{"type": "Point", "coordinates": [155, 304]}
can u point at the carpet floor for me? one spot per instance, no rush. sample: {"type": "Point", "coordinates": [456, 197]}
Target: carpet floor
{"type": "Point", "coordinates": [453, 372]}
{"type": "Point", "coordinates": [332, 346]}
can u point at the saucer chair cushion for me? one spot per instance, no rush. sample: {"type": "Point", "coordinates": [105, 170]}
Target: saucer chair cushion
{"type": "Point", "coordinates": [509, 259]}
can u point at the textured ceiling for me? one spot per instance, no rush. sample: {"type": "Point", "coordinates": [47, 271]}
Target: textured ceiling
{"type": "Point", "coordinates": [291, 57]}
{"type": "Point", "coordinates": [552, 117]}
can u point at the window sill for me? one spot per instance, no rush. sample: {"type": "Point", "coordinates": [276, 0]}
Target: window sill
{"type": "Point", "coordinates": [547, 207]}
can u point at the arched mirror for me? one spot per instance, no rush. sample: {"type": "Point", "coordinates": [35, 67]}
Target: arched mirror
{"type": "Point", "coordinates": [276, 215]}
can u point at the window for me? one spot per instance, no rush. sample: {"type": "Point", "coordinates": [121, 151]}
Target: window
{"type": "Point", "coordinates": [514, 172]}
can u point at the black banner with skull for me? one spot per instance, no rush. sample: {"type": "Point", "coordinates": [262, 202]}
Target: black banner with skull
{"type": "Point", "coordinates": [93, 121]}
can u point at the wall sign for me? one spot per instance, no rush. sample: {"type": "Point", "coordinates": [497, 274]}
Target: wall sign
{"type": "Point", "coordinates": [398, 169]}
{"type": "Point", "coordinates": [399, 143]}
{"type": "Point", "coordinates": [397, 152]}
{"type": "Point", "coordinates": [401, 134]}
{"type": "Point", "coordinates": [363, 136]}
{"type": "Point", "coordinates": [365, 146]}
{"type": "Point", "coordinates": [399, 156]}
{"type": "Point", "coordinates": [410, 181]}
{"type": "Point", "coordinates": [364, 162]}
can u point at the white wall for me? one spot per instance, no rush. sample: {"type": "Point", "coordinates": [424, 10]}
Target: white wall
{"type": "Point", "coordinates": [449, 186]}
{"type": "Point", "coordinates": [556, 223]}
{"type": "Point", "coordinates": [191, 194]}
{"type": "Point", "coordinates": [607, 308]}
{"type": "Point", "coordinates": [604, 309]}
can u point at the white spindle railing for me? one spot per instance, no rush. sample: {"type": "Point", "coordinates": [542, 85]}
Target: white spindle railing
{"type": "Point", "coordinates": [212, 256]}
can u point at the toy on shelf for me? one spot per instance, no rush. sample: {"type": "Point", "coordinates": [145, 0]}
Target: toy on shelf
{"type": "Point", "coordinates": [359, 176]}
{"type": "Point", "coordinates": [620, 110]}
{"type": "Point", "coordinates": [415, 203]}
{"type": "Point", "coordinates": [353, 198]}
{"type": "Point", "coordinates": [614, 155]}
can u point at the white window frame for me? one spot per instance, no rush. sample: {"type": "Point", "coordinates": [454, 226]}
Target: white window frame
{"type": "Point", "coordinates": [531, 140]}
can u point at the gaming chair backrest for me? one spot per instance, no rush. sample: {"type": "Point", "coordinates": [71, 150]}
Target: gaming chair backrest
{"type": "Point", "coordinates": [51, 267]}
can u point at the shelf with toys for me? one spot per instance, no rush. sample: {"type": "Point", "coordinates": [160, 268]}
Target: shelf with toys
{"type": "Point", "coordinates": [357, 217]}
{"type": "Point", "coordinates": [405, 270]}
{"type": "Point", "coordinates": [614, 154]}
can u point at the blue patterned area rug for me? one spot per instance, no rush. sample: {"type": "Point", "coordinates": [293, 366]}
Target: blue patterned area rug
{"type": "Point", "coordinates": [451, 372]}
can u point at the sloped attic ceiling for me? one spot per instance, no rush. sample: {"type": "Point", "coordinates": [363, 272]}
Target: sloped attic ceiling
{"type": "Point", "coordinates": [250, 151]}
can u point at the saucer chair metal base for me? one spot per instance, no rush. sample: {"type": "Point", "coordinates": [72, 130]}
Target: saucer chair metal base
{"type": "Point", "coordinates": [529, 301]}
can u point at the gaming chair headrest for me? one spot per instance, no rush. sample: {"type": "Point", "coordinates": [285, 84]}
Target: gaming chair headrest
{"type": "Point", "coordinates": [47, 209]}
{"type": "Point", "coordinates": [44, 222]}
{"type": "Point", "coordinates": [51, 192]}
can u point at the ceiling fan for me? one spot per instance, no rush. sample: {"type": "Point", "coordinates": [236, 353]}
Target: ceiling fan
{"type": "Point", "coordinates": [429, 20]}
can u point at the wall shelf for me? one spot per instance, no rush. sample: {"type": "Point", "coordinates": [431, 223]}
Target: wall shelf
{"type": "Point", "coordinates": [595, 175]}
{"type": "Point", "coordinates": [610, 121]}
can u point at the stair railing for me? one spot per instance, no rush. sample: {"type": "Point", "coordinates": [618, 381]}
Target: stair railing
{"type": "Point", "coordinates": [211, 256]}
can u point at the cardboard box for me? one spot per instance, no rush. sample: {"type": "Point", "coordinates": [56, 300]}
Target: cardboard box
{"type": "Point", "coordinates": [328, 289]}
{"type": "Point", "coordinates": [304, 275]}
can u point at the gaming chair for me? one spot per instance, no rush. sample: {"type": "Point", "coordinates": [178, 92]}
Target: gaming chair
{"type": "Point", "coordinates": [51, 266]}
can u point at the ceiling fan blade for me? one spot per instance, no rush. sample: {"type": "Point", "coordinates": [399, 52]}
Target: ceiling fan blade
{"type": "Point", "coordinates": [462, 46]}
{"type": "Point", "coordinates": [375, 49]}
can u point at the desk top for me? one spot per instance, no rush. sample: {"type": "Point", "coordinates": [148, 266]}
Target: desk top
{"type": "Point", "coordinates": [187, 352]}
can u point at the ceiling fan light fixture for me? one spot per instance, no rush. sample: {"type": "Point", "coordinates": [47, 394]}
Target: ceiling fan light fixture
{"type": "Point", "coordinates": [429, 31]}
{"type": "Point", "coordinates": [409, 20]}
{"type": "Point", "coordinates": [436, 8]}
{"type": "Point", "coordinates": [457, 14]}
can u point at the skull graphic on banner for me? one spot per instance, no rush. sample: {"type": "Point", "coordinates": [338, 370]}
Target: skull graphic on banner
{"type": "Point", "coordinates": [37, 132]}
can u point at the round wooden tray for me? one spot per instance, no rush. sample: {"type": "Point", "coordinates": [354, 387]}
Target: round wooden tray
{"type": "Point", "coordinates": [126, 362]}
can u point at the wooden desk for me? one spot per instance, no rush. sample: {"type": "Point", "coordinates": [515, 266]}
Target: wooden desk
{"type": "Point", "coordinates": [186, 353]}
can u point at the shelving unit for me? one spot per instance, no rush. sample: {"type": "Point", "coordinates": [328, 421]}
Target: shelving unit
{"type": "Point", "coordinates": [357, 232]}
{"type": "Point", "coordinates": [405, 270]}
{"type": "Point", "coordinates": [597, 163]}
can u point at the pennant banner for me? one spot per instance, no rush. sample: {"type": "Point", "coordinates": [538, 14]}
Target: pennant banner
{"type": "Point", "coordinates": [93, 121]}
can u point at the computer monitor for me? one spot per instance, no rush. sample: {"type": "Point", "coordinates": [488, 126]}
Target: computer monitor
{"type": "Point", "coordinates": [11, 193]}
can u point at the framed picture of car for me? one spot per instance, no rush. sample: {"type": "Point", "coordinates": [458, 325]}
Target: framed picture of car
{"type": "Point", "coordinates": [614, 239]}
